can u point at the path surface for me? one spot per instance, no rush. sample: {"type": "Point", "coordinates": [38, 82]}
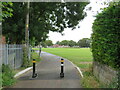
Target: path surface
{"type": "Point", "coordinates": [48, 71]}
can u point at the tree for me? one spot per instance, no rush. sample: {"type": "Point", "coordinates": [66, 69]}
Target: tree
{"type": "Point", "coordinates": [58, 42]}
{"type": "Point", "coordinates": [32, 42]}
{"type": "Point", "coordinates": [85, 42]}
{"type": "Point", "coordinates": [44, 44]}
{"type": "Point", "coordinates": [48, 42]}
{"type": "Point", "coordinates": [72, 43]}
{"type": "Point", "coordinates": [5, 12]}
{"type": "Point", "coordinates": [44, 17]}
{"type": "Point", "coordinates": [14, 27]}
{"type": "Point", "coordinates": [64, 42]}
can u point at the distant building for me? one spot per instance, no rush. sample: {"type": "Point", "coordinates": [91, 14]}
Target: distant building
{"type": "Point", "coordinates": [56, 45]}
{"type": "Point", "coordinates": [3, 40]}
{"type": "Point", "coordinates": [75, 46]}
{"type": "Point", "coordinates": [63, 46]}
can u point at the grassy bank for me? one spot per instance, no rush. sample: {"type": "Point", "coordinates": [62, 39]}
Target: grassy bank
{"type": "Point", "coordinates": [8, 74]}
{"type": "Point", "coordinates": [82, 57]}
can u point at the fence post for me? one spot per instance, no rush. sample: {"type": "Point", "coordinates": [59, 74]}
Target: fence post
{"type": "Point", "coordinates": [7, 54]}
{"type": "Point", "coordinates": [29, 52]}
{"type": "Point", "coordinates": [21, 55]}
{"type": "Point", "coordinates": [14, 48]}
{"type": "Point", "coordinates": [12, 54]}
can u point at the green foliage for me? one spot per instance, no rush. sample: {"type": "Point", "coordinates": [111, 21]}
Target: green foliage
{"type": "Point", "coordinates": [84, 65]}
{"type": "Point", "coordinates": [25, 58]}
{"type": "Point", "coordinates": [26, 62]}
{"type": "Point", "coordinates": [0, 76]}
{"type": "Point", "coordinates": [70, 43]}
{"type": "Point", "coordinates": [89, 81]}
{"type": "Point", "coordinates": [6, 10]}
{"type": "Point", "coordinates": [48, 42]}
{"type": "Point", "coordinates": [58, 42]}
{"type": "Point", "coordinates": [14, 27]}
{"type": "Point", "coordinates": [64, 42]}
{"type": "Point", "coordinates": [44, 17]}
{"type": "Point", "coordinates": [7, 76]}
{"type": "Point", "coordinates": [113, 84]}
{"type": "Point", "coordinates": [32, 41]}
{"type": "Point", "coordinates": [106, 36]}
{"type": "Point", "coordinates": [44, 44]}
{"type": "Point", "coordinates": [85, 42]}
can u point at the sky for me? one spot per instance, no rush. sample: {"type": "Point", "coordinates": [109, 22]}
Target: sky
{"type": "Point", "coordinates": [85, 29]}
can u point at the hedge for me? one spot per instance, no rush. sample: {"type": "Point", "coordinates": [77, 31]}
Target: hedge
{"type": "Point", "coordinates": [106, 36]}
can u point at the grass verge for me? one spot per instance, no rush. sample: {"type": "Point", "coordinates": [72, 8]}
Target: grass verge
{"type": "Point", "coordinates": [8, 74]}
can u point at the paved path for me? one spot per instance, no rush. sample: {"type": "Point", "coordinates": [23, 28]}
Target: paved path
{"type": "Point", "coordinates": [48, 71]}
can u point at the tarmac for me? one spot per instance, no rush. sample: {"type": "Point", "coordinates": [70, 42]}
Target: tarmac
{"type": "Point", "coordinates": [48, 74]}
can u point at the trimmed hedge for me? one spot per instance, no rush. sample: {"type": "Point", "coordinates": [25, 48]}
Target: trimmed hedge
{"type": "Point", "coordinates": [106, 36]}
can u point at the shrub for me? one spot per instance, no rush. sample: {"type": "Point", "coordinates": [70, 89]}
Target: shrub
{"type": "Point", "coordinates": [7, 76]}
{"type": "Point", "coordinates": [106, 36]}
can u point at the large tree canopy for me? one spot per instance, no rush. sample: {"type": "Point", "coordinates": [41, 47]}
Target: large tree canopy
{"type": "Point", "coordinates": [44, 17]}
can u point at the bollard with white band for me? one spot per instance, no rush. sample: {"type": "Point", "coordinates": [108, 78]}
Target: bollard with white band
{"type": "Point", "coordinates": [62, 68]}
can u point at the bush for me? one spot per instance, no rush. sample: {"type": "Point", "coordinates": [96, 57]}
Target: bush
{"type": "Point", "coordinates": [106, 36]}
{"type": "Point", "coordinates": [7, 76]}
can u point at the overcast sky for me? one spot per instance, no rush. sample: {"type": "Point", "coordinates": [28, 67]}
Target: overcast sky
{"type": "Point", "coordinates": [85, 29]}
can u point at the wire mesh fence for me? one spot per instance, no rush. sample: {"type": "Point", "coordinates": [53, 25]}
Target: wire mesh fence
{"type": "Point", "coordinates": [12, 54]}
{"type": "Point", "coordinates": [0, 56]}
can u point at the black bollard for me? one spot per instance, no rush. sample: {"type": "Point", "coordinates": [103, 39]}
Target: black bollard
{"type": "Point", "coordinates": [62, 68]}
{"type": "Point", "coordinates": [34, 74]}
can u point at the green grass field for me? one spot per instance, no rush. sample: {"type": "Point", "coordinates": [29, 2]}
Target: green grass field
{"type": "Point", "coordinates": [82, 57]}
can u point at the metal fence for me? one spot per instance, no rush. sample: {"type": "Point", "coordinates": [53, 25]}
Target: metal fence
{"type": "Point", "coordinates": [0, 56]}
{"type": "Point", "coordinates": [12, 55]}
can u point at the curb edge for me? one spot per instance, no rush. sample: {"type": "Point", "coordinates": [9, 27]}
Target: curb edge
{"type": "Point", "coordinates": [21, 72]}
{"type": "Point", "coordinates": [77, 69]}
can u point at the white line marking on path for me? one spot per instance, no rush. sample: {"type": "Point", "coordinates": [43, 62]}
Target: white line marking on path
{"type": "Point", "coordinates": [77, 69]}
